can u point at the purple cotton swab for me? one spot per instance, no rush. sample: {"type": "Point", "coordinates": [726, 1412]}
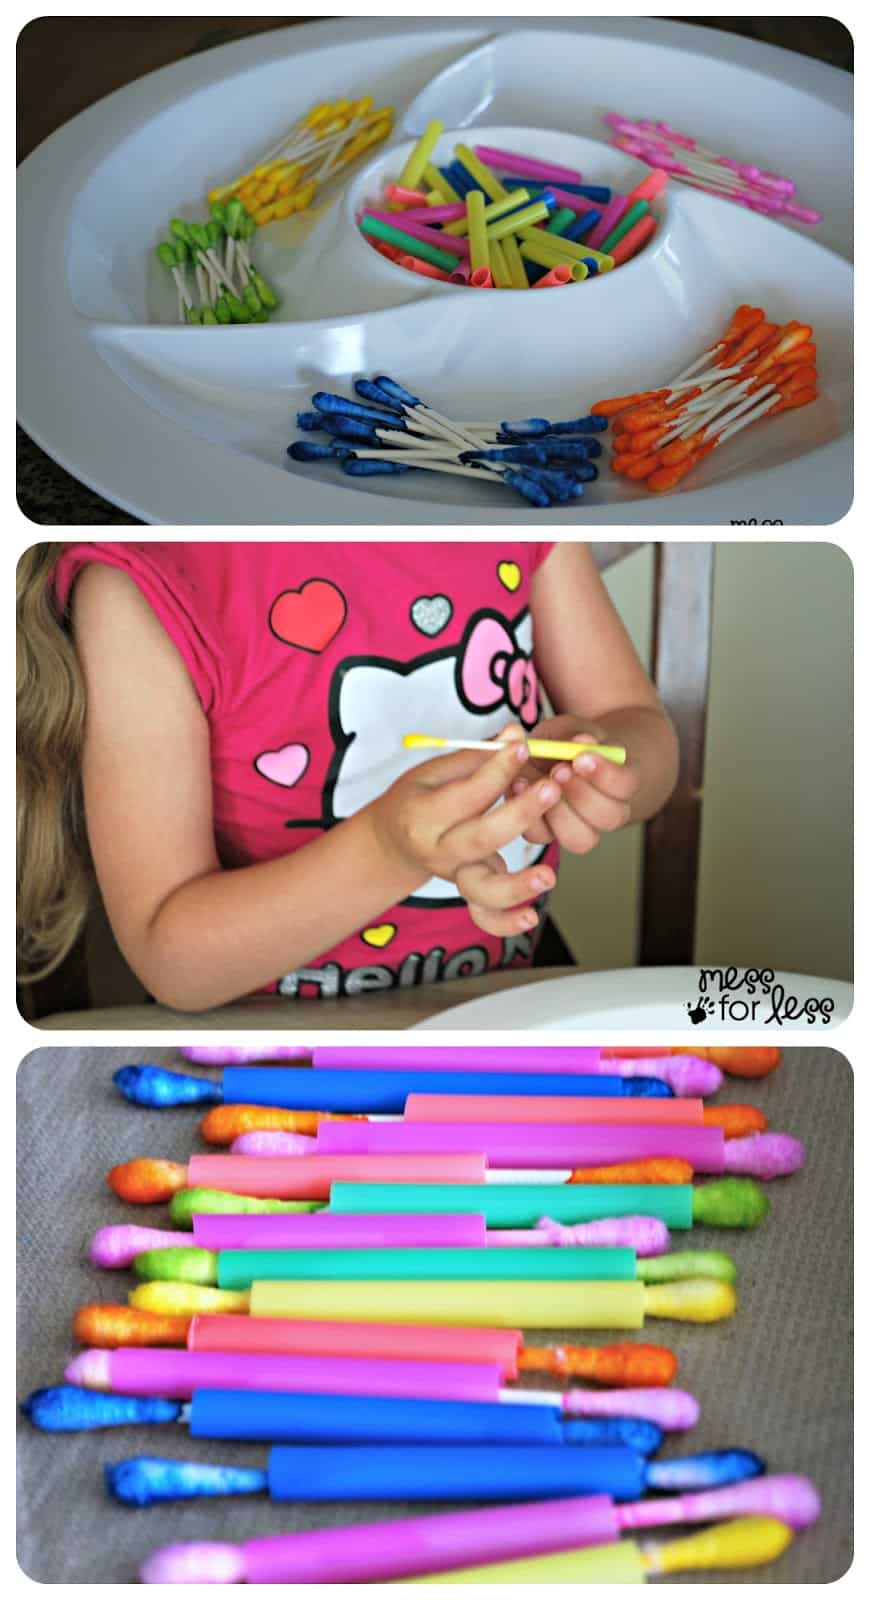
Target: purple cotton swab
{"type": "Point", "coordinates": [379, 1551]}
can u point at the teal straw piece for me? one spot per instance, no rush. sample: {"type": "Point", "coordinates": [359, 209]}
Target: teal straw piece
{"type": "Point", "coordinates": [560, 220]}
{"type": "Point", "coordinates": [406, 242]}
{"type": "Point", "coordinates": [519, 1205]}
{"type": "Point", "coordinates": [632, 215]}
{"type": "Point", "coordinates": [238, 1269]}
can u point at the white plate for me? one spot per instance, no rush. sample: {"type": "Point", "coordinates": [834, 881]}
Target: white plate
{"type": "Point", "coordinates": [639, 999]}
{"type": "Point", "coordinates": [190, 425]}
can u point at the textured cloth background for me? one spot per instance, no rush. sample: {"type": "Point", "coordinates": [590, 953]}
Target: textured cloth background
{"type": "Point", "coordinates": [776, 1379]}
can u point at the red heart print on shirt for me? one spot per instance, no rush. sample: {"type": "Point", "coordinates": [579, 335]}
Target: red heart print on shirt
{"type": "Point", "coordinates": [309, 617]}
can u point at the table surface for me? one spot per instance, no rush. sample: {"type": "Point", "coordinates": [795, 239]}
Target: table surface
{"type": "Point", "coordinates": [776, 1379]}
{"type": "Point", "coordinates": [65, 64]}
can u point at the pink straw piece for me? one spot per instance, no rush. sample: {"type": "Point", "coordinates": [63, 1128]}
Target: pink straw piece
{"type": "Point", "coordinates": [460, 274]}
{"type": "Point", "coordinates": [634, 240]}
{"type": "Point", "coordinates": [575, 202]}
{"type": "Point", "coordinates": [672, 1409]}
{"type": "Point", "coordinates": [524, 166]}
{"type": "Point", "coordinates": [336, 1231]}
{"type": "Point", "coordinates": [612, 213]}
{"type": "Point", "coordinates": [555, 279]}
{"type": "Point", "coordinates": [424, 269]}
{"type": "Point", "coordinates": [424, 214]}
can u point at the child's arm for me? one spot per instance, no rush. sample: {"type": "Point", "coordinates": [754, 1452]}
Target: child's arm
{"type": "Point", "coordinates": [197, 934]}
{"type": "Point", "coordinates": [600, 691]}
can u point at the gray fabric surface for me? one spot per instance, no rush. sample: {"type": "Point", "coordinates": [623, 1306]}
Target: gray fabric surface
{"type": "Point", "coordinates": [776, 1379]}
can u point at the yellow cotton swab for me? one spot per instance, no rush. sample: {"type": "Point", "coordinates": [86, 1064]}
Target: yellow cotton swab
{"type": "Point", "coordinates": [540, 749]}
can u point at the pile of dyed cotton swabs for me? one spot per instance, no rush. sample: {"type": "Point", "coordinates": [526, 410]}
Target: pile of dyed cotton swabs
{"type": "Point", "coordinates": [398, 1220]}
{"type": "Point", "coordinates": [493, 219]}
{"type": "Point", "coordinates": [228, 287]}
{"type": "Point", "coordinates": [756, 369]}
{"type": "Point", "coordinates": [689, 162]}
{"type": "Point", "coordinates": [394, 431]}
{"type": "Point", "coordinates": [318, 148]}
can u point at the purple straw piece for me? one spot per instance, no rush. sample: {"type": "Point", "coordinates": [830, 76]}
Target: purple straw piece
{"type": "Point", "coordinates": [552, 1058]}
{"type": "Point", "coordinates": [574, 202]}
{"type": "Point", "coordinates": [453, 213]}
{"type": "Point", "coordinates": [266, 1142]}
{"type": "Point", "coordinates": [418, 230]}
{"type": "Point", "coordinates": [646, 1236]}
{"type": "Point", "coordinates": [119, 1244]}
{"type": "Point", "coordinates": [524, 166]}
{"type": "Point", "coordinates": [327, 1230]}
{"type": "Point", "coordinates": [787, 1496]}
{"type": "Point", "coordinates": [230, 1055]}
{"type": "Point", "coordinates": [461, 272]}
{"type": "Point", "coordinates": [671, 1409]}
{"type": "Point", "coordinates": [611, 214]}
{"type": "Point", "coordinates": [764, 1155]}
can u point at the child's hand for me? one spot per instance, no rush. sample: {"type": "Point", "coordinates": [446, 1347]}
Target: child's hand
{"type": "Point", "coordinates": [438, 821]}
{"type": "Point", "coordinates": [595, 795]}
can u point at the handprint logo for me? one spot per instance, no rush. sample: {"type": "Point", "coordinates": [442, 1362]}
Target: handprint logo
{"type": "Point", "coordinates": [700, 1011]}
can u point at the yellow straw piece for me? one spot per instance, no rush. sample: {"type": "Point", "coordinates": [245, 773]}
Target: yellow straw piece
{"type": "Point", "coordinates": [501, 276]}
{"type": "Point", "coordinates": [477, 230]}
{"type": "Point", "coordinates": [540, 749]}
{"type": "Point", "coordinates": [436, 198]}
{"type": "Point", "coordinates": [412, 171]}
{"type": "Point", "coordinates": [511, 202]}
{"type": "Point", "coordinates": [604, 1563]}
{"type": "Point", "coordinates": [488, 181]}
{"type": "Point", "coordinates": [520, 222]}
{"type": "Point", "coordinates": [437, 181]}
{"type": "Point", "coordinates": [515, 264]}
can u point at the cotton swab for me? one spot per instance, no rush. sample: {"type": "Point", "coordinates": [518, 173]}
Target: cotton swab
{"type": "Point", "coordinates": [564, 1468]}
{"type": "Point", "coordinates": [400, 1549]}
{"type": "Point", "coordinates": [539, 749]}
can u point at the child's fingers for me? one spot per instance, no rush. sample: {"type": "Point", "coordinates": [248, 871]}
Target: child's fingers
{"type": "Point", "coordinates": [621, 783]}
{"type": "Point", "coordinates": [491, 885]}
{"type": "Point", "coordinates": [602, 812]}
{"type": "Point", "coordinates": [471, 841]}
{"type": "Point", "coordinates": [503, 924]}
{"type": "Point", "coordinates": [473, 796]}
{"type": "Point", "coordinates": [573, 832]}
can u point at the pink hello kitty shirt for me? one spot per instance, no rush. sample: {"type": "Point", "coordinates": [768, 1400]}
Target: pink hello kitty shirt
{"type": "Point", "coordinates": [311, 661]}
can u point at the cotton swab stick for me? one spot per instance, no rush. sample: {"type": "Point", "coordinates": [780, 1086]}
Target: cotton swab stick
{"type": "Point", "coordinates": [385, 1091]}
{"type": "Point", "coordinates": [145, 1181]}
{"type": "Point", "coordinates": [376, 1552]}
{"type": "Point", "coordinates": [642, 1367]}
{"type": "Point", "coordinates": [331, 1473]}
{"type": "Point", "coordinates": [543, 749]}
{"type": "Point", "coordinates": [586, 1469]}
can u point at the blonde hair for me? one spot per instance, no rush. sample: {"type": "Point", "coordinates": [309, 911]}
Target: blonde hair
{"type": "Point", "coordinates": [55, 876]}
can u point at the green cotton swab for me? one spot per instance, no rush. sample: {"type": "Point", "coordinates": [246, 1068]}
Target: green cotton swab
{"type": "Point", "coordinates": [632, 215]}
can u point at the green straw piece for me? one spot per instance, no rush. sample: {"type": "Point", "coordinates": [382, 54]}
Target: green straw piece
{"type": "Point", "coordinates": [632, 215]}
{"type": "Point", "coordinates": [406, 242]}
{"type": "Point", "coordinates": [519, 1205]}
{"type": "Point", "coordinates": [560, 220]}
{"type": "Point", "coordinates": [238, 1269]}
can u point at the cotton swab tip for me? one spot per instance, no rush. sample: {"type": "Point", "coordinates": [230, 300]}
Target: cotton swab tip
{"type": "Point", "coordinates": [195, 1563]}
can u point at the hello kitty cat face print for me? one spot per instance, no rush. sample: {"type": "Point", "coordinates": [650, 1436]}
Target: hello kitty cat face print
{"type": "Point", "coordinates": [469, 690]}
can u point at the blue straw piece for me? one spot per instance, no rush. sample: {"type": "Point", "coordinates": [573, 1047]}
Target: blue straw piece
{"type": "Point", "coordinates": [590, 191]}
{"type": "Point", "coordinates": [461, 178]}
{"type": "Point", "coordinates": [582, 225]}
{"type": "Point", "coordinates": [591, 266]}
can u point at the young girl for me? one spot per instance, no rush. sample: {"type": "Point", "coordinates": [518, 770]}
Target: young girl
{"type": "Point", "coordinates": [215, 730]}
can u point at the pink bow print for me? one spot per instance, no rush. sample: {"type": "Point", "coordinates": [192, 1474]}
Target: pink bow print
{"type": "Point", "coordinates": [494, 671]}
